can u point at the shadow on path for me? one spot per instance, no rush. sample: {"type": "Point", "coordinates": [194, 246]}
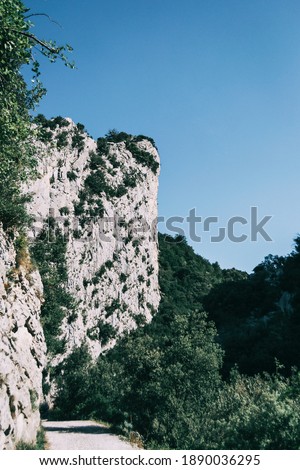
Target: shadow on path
{"type": "Point", "coordinates": [77, 429]}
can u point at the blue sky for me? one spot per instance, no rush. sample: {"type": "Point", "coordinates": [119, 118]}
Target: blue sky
{"type": "Point", "coordinates": [216, 83]}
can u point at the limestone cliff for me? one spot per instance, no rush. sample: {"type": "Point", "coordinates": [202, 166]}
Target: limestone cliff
{"type": "Point", "coordinates": [101, 199]}
{"type": "Point", "coordinates": [22, 345]}
{"type": "Point", "coordinates": [93, 240]}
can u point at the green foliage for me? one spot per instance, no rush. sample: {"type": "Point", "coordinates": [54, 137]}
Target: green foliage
{"type": "Point", "coordinates": [109, 264]}
{"type": "Point", "coordinates": [106, 332]}
{"type": "Point", "coordinates": [143, 157]}
{"type": "Point", "coordinates": [78, 138]}
{"type": "Point", "coordinates": [256, 413]}
{"type": "Point", "coordinates": [99, 273]}
{"type": "Point", "coordinates": [52, 124]}
{"type": "Point", "coordinates": [64, 210]}
{"type": "Point", "coordinates": [62, 139]}
{"type": "Point", "coordinates": [49, 253]}
{"type": "Point", "coordinates": [115, 136]}
{"type": "Point", "coordinates": [74, 377]}
{"type": "Point", "coordinates": [130, 180]}
{"type": "Point", "coordinates": [80, 127]}
{"type": "Point", "coordinates": [21, 248]}
{"type": "Point", "coordinates": [96, 184]}
{"type": "Point", "coordinates": [96, 161]}
{"type": "Point", "coordinates": [102, 146]}
{"type": "Point", "coordinates": [17, 42]}
{"type": "Point", "coordinates": [72, 175]}
{"type": "Point", "coordinates": [123, 277]}
{"type": "Point", "coordinates": [164, 380]}
{"type": "Point", "coordinates": [112, 307]}
{"type": "Point", "coordinates": [139, 138]}
{"type": "Point", "coordinates": [185, 277]}
{"type": "Point", "coordinates": [259, 317]}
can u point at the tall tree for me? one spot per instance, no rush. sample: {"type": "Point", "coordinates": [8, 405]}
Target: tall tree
{"type": "Point", "coordinates": [17, 99]}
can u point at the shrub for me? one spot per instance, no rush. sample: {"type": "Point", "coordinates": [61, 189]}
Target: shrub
{"type": "Point", "coordinates": [130, 180]}
{"type": "Point", "coordinates": [80, 127]}
{"type": "Point", "coordinates": [72, 175]}
{"type": "Point", "coordinates": [114, 162]}
{"type": "Point", "coordinates": [114, 136]}
{"type": "Point", "coordinates": [60, 121]}
{"type": "Point", "coordinates": [49, 253]}
{"type": "Point", "coordinates": [78, 140]}
{"type": "Point", "coordinates": [64, 210]}
{"type": "Point", "coordinates": [107, 332]}
{"type": "Point", "coordinates": [139, 138]}
{"type": "Point", "coordinates": [102, 146]}
{"type": "Point", "coordinates": [62, 139]}
{"type": "Point", "coordinates": [96, 161]}
{"type": "Point", "coordinates": [143, 157]}
{"type": "Point", "coordinates": [110, 309]}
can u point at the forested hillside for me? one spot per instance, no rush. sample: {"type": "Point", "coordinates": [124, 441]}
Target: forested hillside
{"type": "Point", "coordinates": [166, 381]}
{"type": "Point", "coordinates": [258, 318]}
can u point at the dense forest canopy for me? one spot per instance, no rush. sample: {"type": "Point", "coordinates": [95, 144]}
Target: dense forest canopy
{"type": "Point", "coordinates": [178, 380]}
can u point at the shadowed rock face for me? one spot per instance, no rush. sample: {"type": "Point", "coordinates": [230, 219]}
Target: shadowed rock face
{"type": "Point", "coordinates": [22, 348]}
{"type": "Point", "coordinates": [112, 274]}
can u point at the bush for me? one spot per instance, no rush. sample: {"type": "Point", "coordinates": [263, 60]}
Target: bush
{"type": "Point", "coordinates": [107, 332]}
{"type": "Point", "coordinates": [72, 175]}
{"type": "Point", "coordinates": [143, 157]}
{"type": "Point", "coordinates": [49, 253]}
{"type": "Point", "coordinates": [139, 138]}
{"type": "Point", "coordinates": [255, 413]}
{"type": "Point", "coordinates": [78, 140]}
{"type": "Point", "coordinates": [115, 136]}
{"type": "Point", "coordinates": [13, 214]}
{"type": "Point", "coordinates": [64, 210]}
{"type": "Point", "coordinates": [62, 140]}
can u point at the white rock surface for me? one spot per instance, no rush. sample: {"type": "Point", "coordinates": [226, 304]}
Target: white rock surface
{"type": "Point", "coordinates": [22, 349]}
{"type": "Point", "coordinates": [127, 293]}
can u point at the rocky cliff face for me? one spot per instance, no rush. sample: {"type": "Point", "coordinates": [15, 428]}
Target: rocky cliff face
{"type": "Point", "coordinates": [22, 346]}
{"type": "Point", "coordinates": [97, 201]}
{"type": "Point", "coordinates": [94, 243]}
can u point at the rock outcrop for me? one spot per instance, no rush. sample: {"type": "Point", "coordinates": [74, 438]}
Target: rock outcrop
{"type": "Point", "coordinates": [102, 196]}
{"type": "Point", "coordinates": [22, 346]}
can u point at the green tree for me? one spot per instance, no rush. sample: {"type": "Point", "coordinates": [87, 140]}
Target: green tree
{"type": "Point", "coordinates": [259, 412]}
{"type": "Point", "coordinates": [18, 44]}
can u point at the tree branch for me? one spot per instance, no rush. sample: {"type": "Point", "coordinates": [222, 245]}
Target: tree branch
{"type": "Point", "coordinates": [38, 41]}
{"type": "Point", "coordinates": [43, 14]}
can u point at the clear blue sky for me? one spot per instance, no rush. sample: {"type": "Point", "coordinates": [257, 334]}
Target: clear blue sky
{"type": "Point", "coordinates": [216, 83]}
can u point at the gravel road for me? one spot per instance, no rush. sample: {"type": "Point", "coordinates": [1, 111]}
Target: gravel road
{"type": "Point", "coordinates": [82, 435]}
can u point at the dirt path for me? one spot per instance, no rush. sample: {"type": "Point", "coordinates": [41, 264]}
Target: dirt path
{"type": "Point", "coordinates": [82, 435]}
